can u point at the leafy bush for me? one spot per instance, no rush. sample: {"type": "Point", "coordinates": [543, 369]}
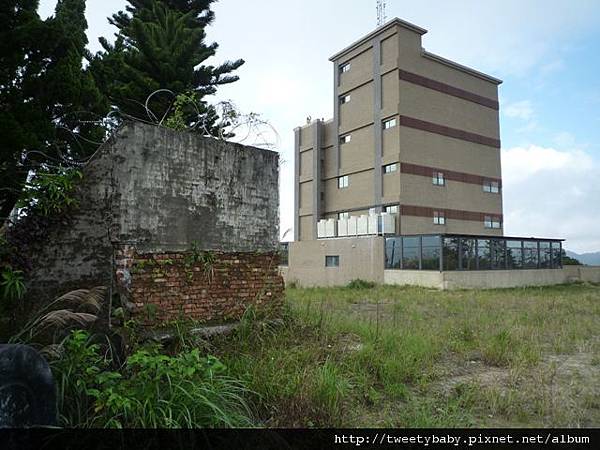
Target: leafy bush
{"type": "Point", "coordinates": [183, 105]}
{"type": "Point", "coordinates": [76, 374]}
{"type": "Point", "coordinates": [50, 192]}
{"type": "Point", "coordinates": [13, 284]}
{"type": "Point", "coordinates": [151, 391]}
{"type": "Point", "coordinates": [360, 284]}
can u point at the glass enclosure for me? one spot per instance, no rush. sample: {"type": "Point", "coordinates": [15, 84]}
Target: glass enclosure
{"type": "Point", "coordinates": [463, 252]}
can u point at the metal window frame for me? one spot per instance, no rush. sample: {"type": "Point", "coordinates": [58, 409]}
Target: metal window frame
{"type": "Point", "coordinates": [387, 166]}
{"type": "Point", "coordinates": [495, 251]}
{"type": "Point", "coordinates": [441, 217]}
{"type": "Point", "coordinates": [491, 187]}
{"type": "Point", "coordinates": [389, 123]}
{"type": "Point", "coordinates": [437, 179]}
{"type": "Point", "coordinates": [397, 207]}
{"type": "Point", "coordinates": [345, 67]}
{"type": "Point", "coordinates": [336, 258]}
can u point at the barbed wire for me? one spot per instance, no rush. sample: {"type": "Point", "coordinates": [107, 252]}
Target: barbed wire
{"type": "Point", "coordinates": [232, 124]}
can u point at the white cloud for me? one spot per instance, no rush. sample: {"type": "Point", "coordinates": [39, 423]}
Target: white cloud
{"type": "Point", "coordinates": [521, 110]}
{"type": "Point", "coordinates": [553, 66]}
{"type": "Point", "coordinates": [564, 139]}
{"type": "Point", "coordinates": [552, 192]}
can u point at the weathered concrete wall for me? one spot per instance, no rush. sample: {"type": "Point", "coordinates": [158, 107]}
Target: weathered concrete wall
{"type": "Point", "coordinates": [489, 279]}
{"type": "Point", "coordinates": [360, 258]}
{"type": "Point", "coordinates": [78, 253]}
{"type": "Point", "coordinates": [583, 273]}
{"type": "Point", "coordinates": [173, 188]}
{"type": "Point", "coordinates": [425, 278]}
{"type": "Point", "coordinates": [157, 190]}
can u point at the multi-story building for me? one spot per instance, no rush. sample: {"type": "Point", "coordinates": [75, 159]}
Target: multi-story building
{"type": "Point", "coordinates": [417, 136]}
{"type": "Point", "coordinates": [413, 134]}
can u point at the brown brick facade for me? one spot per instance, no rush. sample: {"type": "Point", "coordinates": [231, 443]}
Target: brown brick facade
{"type": "Point", "coordinates": [168, 286]}
{"type": "Point", "coordinates": [423, 211]}
{"type": "Point", "coordinates": [430, 127]}
{"type": "Point", "coordinates": [463, 177]}
{"type": "Point", "coordinates": [447, 89]}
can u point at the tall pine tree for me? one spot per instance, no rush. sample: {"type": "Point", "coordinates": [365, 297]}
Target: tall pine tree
{"type": "Point", "coordinates": [43, 90]}
{"type": "Point", "coordinates": [161, 45]}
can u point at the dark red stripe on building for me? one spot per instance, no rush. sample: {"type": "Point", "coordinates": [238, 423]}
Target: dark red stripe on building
{"type": "Point", "coordinates": [447, 89]}
{"type": "Point", "coordinates": [423, 211]}
{"type": "Point", "coordinates": [447, 131]}
{"type": "Point", "coordinates": [427, 171]}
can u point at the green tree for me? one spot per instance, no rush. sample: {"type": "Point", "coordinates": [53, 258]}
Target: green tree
{"type": "Point", "coordinates": [161, 45]}
{"type": "Point", "coordinates": [43, 91]}
{"type": "Point", "coordinates": [569, 261]}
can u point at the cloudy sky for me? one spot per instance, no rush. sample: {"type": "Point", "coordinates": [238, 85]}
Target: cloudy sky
{"type": "Point", "coordinates": [547, 52]}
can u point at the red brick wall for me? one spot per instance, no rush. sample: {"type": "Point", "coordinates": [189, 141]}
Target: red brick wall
{"type": "Point", "coordinates": [178, 288]}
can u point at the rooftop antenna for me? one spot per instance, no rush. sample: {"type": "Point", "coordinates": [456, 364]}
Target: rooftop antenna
{"type": "Point", "coordinates": [381, 17]}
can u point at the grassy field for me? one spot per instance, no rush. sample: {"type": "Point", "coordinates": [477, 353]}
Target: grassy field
{"type": "Point", "coordinates": [415, 357]}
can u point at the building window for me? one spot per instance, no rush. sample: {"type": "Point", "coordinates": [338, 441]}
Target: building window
{"type": "Point", "coordinates": [344, 99]}
{"type": "Point", "coordinates": [492, 222]}
{"type": "Point", "coordinates": [332, 261]}
{"type": "Point", "coordinates": [439, 218]}
{"type": "Point", "coordinates": [438, 179]}
{"type": "Point", "coordinates": [390, 168]}
{"type": "Point", "coordinates": [491, 186]}
{"type": "Point", "coordinates": [344, 215]}
{"type": "Point", "coordinates": [392, 209]}
{"type": "Point", "coordinates": [390, 123]}
{"type": "Point", "coordinates": [344, 67]}
{"type": "Point", "coordinates": [343, 182]}
{"type": "Point", "coordinates": [345, 139]}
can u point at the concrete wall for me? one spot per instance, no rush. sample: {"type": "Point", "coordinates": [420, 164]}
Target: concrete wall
{"type": "Point", "coordinates": [159, 190]}
{"type": "Point", "coordinates": [486, 279]}
{"type": "Point", "coordinates": [492, 279]}
{"type": "Point", "coordinates": [589, 274]}
{"type": "Point", "coordinates": [175, 188]}
{"type": "Point", "coordinates": [359, 258]}
{"type": "Point", "coordinates": [425, 278]}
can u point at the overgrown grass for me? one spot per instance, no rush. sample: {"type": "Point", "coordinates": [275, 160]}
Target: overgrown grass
{"type": "Point", "coordinates": [408, 357]}
{"type": "Point", "coordinates": [152, 390]}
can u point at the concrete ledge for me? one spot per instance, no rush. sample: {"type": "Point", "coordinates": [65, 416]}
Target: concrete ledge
{"type": "Point", "coordinates": [590, 274]}
{"type": "Point", "coordinates": [492, 279]}
{"type": "Point", "coordinates": [425, 278]}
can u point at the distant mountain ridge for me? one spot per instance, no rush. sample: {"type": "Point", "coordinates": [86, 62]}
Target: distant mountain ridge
{"type": "Point", "coordinates": [591, 259]}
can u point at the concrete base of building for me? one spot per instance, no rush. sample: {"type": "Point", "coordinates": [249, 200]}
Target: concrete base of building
{"type": "Point", "coordinates": [358, 258]}
{"type": "Point", "coordinates": [488, 279]}
{"type": "Point", "coordinates": [363, 258]}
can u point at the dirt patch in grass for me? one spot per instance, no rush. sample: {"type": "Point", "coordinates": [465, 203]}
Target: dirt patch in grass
{"type": "Point", "coordinates": [466, 372]}
{"type": "Point", "coordinates": [561, 389]}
